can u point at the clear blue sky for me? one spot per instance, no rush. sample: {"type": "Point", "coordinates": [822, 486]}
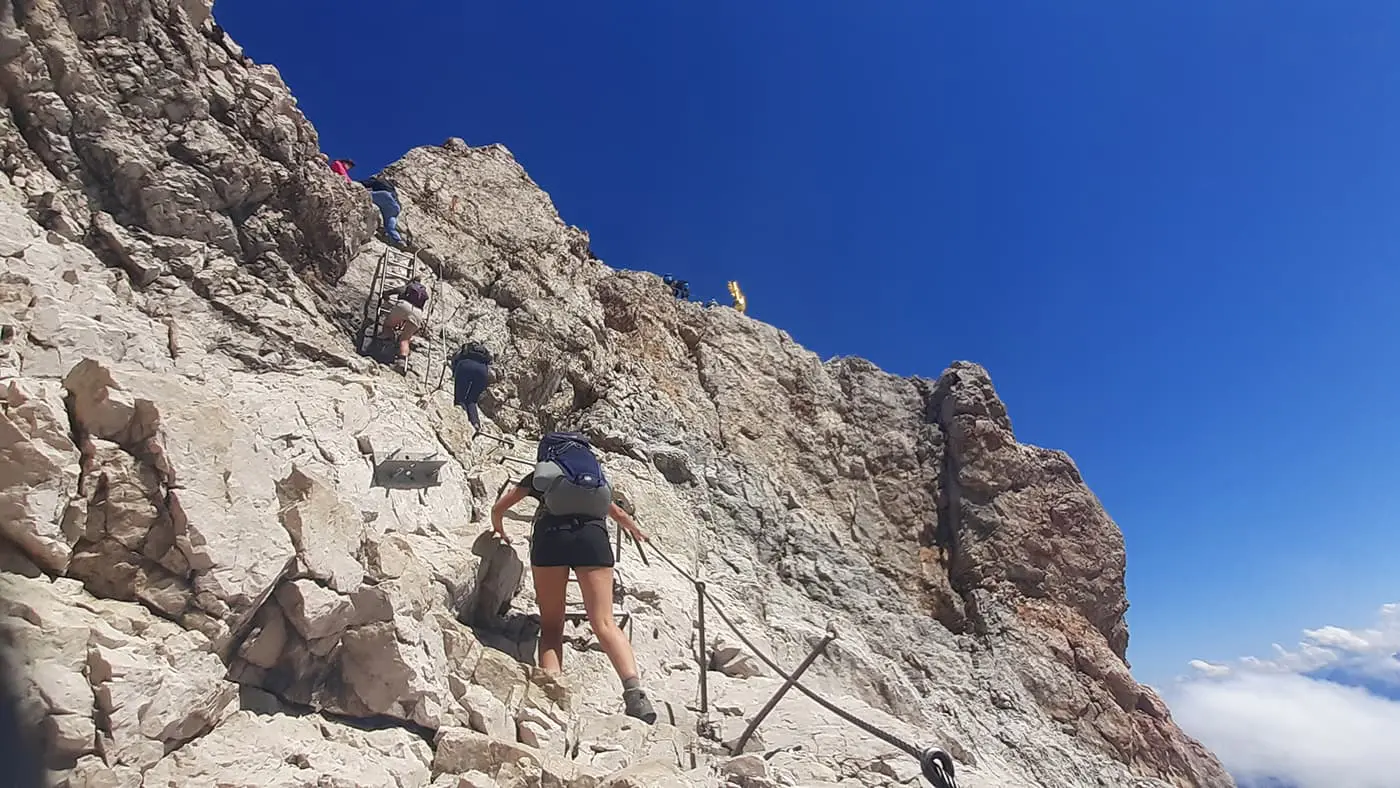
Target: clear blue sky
{"type": "Point", "coordinates": [1168, 228]}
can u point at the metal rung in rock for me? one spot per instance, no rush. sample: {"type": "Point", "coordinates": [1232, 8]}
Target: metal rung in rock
{"type": "Point", "coordinates": [404, 471]}
{"type": "Point", "coordinates": [620, 615]}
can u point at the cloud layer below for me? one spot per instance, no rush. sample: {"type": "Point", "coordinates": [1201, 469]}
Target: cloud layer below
{"type": "Point", "coordinates": [1325, 714]}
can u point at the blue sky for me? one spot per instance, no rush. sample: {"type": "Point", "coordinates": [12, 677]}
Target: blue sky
{"type": "Point", "coordinates": [1167, 228]}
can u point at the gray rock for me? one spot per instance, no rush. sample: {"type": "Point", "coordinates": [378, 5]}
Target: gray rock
{"type": "Point", "coordinates": [730, 658]}
{"type": "Point", "coordinates": [497, 581]}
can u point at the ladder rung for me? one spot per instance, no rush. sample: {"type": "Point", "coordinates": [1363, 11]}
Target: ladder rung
{"type": "Point", "coordinates": [578, 613]}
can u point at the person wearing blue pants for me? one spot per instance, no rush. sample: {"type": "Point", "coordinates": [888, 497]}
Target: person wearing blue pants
{"type": "Point", "coordinates": [386, 199]}
{"type": "Point", "coordinates": [471, 372]}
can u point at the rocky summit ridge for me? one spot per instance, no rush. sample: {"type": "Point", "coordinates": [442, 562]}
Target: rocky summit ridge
{"type": "Point", "coordinates": [202, 585]}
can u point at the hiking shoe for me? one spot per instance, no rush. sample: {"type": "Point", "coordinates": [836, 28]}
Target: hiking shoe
{"type": "Point", "coordinates": [636, 704]}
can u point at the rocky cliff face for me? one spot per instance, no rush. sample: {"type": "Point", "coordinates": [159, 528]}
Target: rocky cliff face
{"type": "Point", "coordinates": [202, 586]}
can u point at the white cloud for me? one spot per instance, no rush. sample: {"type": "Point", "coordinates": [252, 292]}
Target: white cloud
{"type": "Point", "coordinates": [1312, 733]}
{"type": "Point", "coordinates": [1336, 637]}
{"type": "Point", "coordinates": [1210, 669]}
{"type": "Point", "coordinates": [1327, 646]}
{"type": "Point", "coordinates": [1306, 715]}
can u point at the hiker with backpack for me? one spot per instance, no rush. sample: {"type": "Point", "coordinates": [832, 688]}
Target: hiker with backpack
{"type": "Point", "coordinates": [406, 317]}
{"type": "Point", "coordinates": [570, 531]}
{"type": "Point", "coordinates": [679, 287]}
{"type": "Point", "coordinates": [386, 198]}
{"type": "Point", "coordinates": [471, 371]}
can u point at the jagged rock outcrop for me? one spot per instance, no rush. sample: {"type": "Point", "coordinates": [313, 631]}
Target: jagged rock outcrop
{"type": "Point", "coordinates": [204, 587]}
{"type": "Point", "coordinates": [139, 126]}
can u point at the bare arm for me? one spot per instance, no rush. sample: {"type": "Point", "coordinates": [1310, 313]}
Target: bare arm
{"type": "Point", "coordinates": [498, 510]}
{"type": "Point", "coordinates": [628, 524]}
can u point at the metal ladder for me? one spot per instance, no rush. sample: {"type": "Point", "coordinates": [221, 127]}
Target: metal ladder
{"type": "Point", "coordinates": [395, 269]}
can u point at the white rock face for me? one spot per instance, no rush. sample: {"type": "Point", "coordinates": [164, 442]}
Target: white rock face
{"type": "Point", "coordinates": [152, 685]}
{"type": "Point", "coordinates": [40, 510]}
{"type": "Point", "coordinates": [251, 749]}
{"type": "Point", "coordinates": [201, 586]}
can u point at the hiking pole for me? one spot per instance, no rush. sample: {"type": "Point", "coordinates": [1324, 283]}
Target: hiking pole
{"type": "Point", "coordinates": [506, 441]}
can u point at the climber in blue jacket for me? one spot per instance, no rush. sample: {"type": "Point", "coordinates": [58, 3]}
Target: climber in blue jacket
{"type": "Point", "coordinates": [386, 198]}
{"type": "Point", "coordinates": [471, 372]}
{"type": "Point", "coordinates": [679, 287]}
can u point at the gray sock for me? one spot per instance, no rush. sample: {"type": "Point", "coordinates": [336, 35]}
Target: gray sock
{"type": "Point", "coordinates": [631, 684]}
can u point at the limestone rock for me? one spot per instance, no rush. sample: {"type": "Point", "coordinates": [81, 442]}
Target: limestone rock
{"type": "Point", "coordinates": [468, 780]}
{"type": "Point", "coordinates": [314, 611]}
{"type": "Point", "coordinates": [485, 713]}
{"type": "Point", "coordinates": [249, 749]}
{"type": "Point", "coordinates": [325, 530]}
{"type": "Point", "coordinates": [648, 774]}
{"type": "Point", "coordinates": [217, 512]}
{"type": "Point", "coordinates": [460, 751]}
{"type": "Point", "coordinates": [40, 510]}
{"type": "Point", "coordinates": [674, 464]}
{"type": "Point", "coordinates": [730, 658]}
{"type": "Point", "coordinates": [745, 766]}
{"type": "Point", "coordinates": [182, 143]}
{"type": "Point", "coordinates": [791, 769]}
{"type": "Point", "coordinates": [152, 708]}
{"type": "Point", "coordinates": [152, 685]}
{"type": "Point", "coordinates": [501, 675]}
{"type": "Point", "coordinates": [497, 581]}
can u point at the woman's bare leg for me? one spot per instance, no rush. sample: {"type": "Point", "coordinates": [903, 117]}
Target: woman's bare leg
{"type": "Point", "coordinates": [597, 587]}
{"type": "Point", "coordinates": [596, 583]}
{"type": "Point", "coordinates": [551, 585]}
{"type": "Point", "coordinates": [405, 334]}
{"type": "Point", "coordinates": [391, 325]}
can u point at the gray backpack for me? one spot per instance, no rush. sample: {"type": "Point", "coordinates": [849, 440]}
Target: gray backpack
{"type": "Point", "coordinates": [568, 475]}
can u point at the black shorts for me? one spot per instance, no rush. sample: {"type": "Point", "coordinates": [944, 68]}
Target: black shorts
{"type": "Point", "coordinates": [572, 543]}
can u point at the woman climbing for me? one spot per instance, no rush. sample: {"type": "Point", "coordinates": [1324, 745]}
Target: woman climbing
{"type": "Point", "coordinates": [471, 372]}
{"type": "Point", "coordinates": [570, 531]}
{"type": "Point", "coordinates": [405, 319]}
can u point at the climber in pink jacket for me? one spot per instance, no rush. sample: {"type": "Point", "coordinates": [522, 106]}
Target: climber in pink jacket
{"type": "Point", "coordinates": [342, 167]}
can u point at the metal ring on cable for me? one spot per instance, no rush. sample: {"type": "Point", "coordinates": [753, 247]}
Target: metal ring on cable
{"type": "Point", "coordinates": [937, 767]}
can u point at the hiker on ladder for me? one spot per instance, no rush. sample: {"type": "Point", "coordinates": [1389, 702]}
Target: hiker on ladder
{"type": "Point", "coordinates": [471, 372]}
{"type": "Point", "coordinates": [405, 319]}
{"type": "Point", "coordinates": [386, 199]}
{"type": "Point", "coordinates": [571, 532]}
